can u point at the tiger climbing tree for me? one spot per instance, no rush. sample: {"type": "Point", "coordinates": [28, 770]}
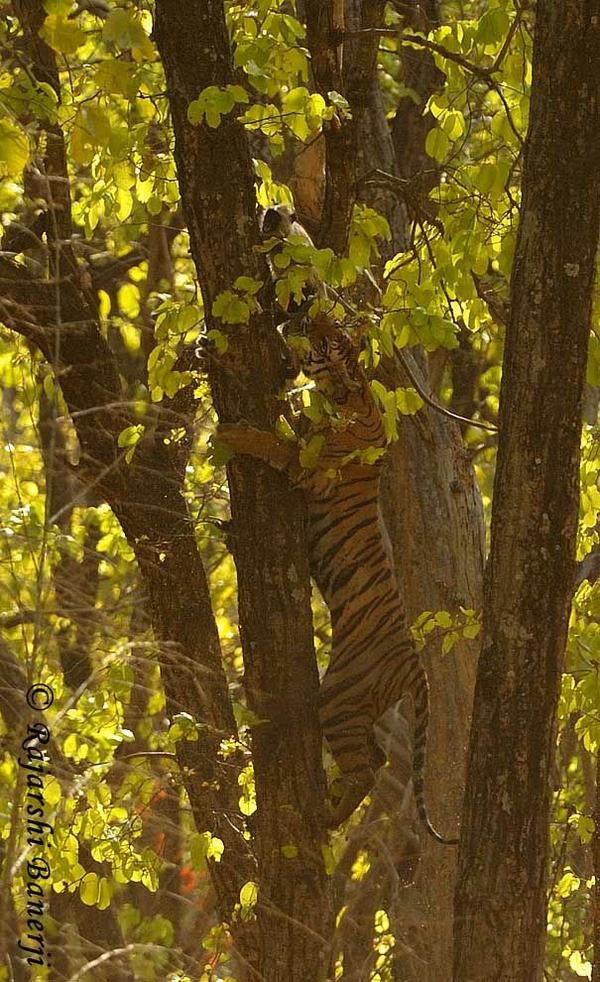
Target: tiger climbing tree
{"type": "Point", "coordinates": [268, 270]}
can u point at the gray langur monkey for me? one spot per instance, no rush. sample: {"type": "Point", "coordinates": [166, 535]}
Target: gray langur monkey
{"type": "Point", "coordinates": [280, 222]}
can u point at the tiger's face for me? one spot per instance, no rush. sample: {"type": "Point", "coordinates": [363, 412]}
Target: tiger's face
{"type": "Point", "coordinates": [330, 359]}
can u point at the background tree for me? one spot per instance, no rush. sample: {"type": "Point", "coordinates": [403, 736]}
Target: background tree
{"type": "Point", "coordinates": [501, 901]}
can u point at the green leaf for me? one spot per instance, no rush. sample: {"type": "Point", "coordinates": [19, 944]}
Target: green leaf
{"type": "Point", "coordinates": [214, 102]}
{"type": "Point", "coordinates": [219, 452]}
{"type": "Point", "coordinates": [104, 893]}
{"type": "Point", "coordinates": [238, 93]}
{"type": "Point", "coordinates": [453, 124]}
{"type": "Point", "coordinates": [284, 430]}
{"type": "Point", "coordinates": [493, 26]}
{"type": "Point", "coordinates": [309, 455]}
{"type": "Point", "coordinates": [14, 149]}
{"type": "Point", "coordinates": [130, 435]}
{"type": "Point", "coordinates": [62, 34]}
{"type": "Point", "coordinates": [246, 284]}
{"type": "Point", "coordinates": [128, 296]}
{"type": "Point", "coordinates": [125, 29]}
{"type": "Point", "coordinates": [567, 884]}
{"type": "Point", "coordinates": [89, 889]}
{"type": "Point", "coordinates": [215, 850]}
{"type": "Point", "coordinates": [437, 144]}
{"type": "Point", "coordinates": [249, 894]}
{"type": "Point", "coordinates": [408, 401]}
{"type": "Point", "coordinates": [131, 336]}
{"type": "Point", "coordinates": [231, 309]}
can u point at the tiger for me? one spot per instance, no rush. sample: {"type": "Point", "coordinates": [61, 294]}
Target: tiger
{"type": "Point", "coordinates": [373, 661]}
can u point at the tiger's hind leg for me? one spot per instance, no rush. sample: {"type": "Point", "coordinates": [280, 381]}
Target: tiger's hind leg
{"type": "Point", "coordinates": [359, 757]}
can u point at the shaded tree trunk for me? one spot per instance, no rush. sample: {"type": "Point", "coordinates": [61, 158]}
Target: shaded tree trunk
{"type": "Point", "coordinates": [411, 124]}
{"type": "Point", "coordinates": [500, 899]}
{"type": "Point", "coordinates": [374, 147]}
{"type": "Point", "coordinates": [281, 682]}
{"type": "Point", "coordinates": [434, 515]}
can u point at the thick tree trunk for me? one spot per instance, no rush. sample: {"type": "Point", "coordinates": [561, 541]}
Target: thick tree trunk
{"type": "Point", "coordinates": [434, 516]}
{"type": "Point", "coordinates": [411, 124]}
{"type": "Point", "coordinates": [281, 681]}
{"type": "Point", "coordinates": [373, 144]}
{"type": "Point", "coordinates": [323, 20]}
{"type": "Point", "coordinates": [500, 900]}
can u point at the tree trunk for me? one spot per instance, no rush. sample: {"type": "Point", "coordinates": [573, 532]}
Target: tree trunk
{"type": "Point", "coordinates": [373, 144]}
{"type": "Point", "coordinates": [500, 899]}
{"type": "Point", "coordinates": [281, 681]}
{"type": "Point", "coordinates": [434, 516]}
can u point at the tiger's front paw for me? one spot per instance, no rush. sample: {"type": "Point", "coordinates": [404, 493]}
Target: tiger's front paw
{"type": "Point", "coordinates": [237, 437]}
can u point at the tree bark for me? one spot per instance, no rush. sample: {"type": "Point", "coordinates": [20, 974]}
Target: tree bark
{"type": "Point", "coordinates": [281, 682]}
{"type": "Point", "coordinates": [322, 25]}
{"type": "Point", "coordinates": [500, 899]}
{"type": "Point", "coordinates": [373, 144]}
{"type": "Point", "coordinates": [411, 124]}
{"type": "Point", "coordinates": [434, 516]}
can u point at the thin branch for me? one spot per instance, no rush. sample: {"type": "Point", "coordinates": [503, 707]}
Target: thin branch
{"type": "Point", "coordinates": [478, 70]}
{"type": "Point", "coordinates": [507, 42]}
{"type": "Point", "coordinates": [402, 355]}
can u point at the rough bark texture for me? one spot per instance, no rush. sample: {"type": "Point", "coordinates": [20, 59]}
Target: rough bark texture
{"type": "Point", "coordinates": [433, 512]}
{"type": "Point", "coordinates": [322, 35]}
{"type": "Point", "coordinates": [500, 900]}
{"type": "Point", "coordinates": [434, 517]}
{"type": "Point", "coordinates": [374, 147]}
{"type": "Point", "coordinates": [216, 180]}
{"type": "Point", "coordinates": [411, 125]}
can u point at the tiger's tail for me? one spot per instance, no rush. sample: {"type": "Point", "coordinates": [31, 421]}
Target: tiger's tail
{"type": "Point", "coordinates": [421, 700]}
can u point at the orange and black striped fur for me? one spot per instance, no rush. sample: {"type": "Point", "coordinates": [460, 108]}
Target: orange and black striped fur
{"type": "Point", "coordinates": [373, 660]}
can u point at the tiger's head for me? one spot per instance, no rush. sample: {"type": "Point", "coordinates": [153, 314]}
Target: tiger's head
{"type": "Point", "coordinates": [330, 358]}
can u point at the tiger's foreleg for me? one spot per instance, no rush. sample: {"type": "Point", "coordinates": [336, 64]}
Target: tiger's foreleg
{"type": "Point", "coordinates": [262, 445]}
